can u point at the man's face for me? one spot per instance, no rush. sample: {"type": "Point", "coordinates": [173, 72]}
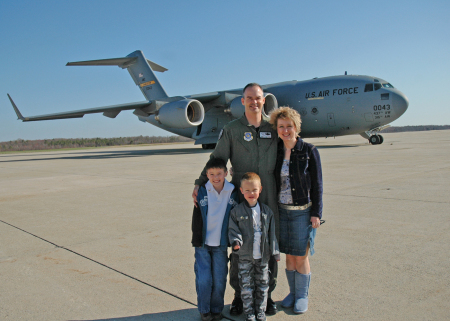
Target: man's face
{"type": "Point", "coordinates": [216, 177]}
{"type": "Point", "coordinates": [251, 191]}
{"type": "Point", "coordinates": [253, 100]}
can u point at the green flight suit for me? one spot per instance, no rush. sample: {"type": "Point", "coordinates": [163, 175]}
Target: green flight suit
{"type": "Point", "coordinates": [250, 151]}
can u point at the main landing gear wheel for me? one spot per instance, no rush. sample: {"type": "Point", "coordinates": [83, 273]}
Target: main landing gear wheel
{"type": "Point", "coordinates": [376, 139]}
{"type": "Point", "coordinates": [208, 146]}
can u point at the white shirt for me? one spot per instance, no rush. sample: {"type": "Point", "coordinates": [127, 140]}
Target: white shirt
{"type": "Point", "coordinates": [217, 206]}
{"type": "Point", "coordinates": [257, 231]}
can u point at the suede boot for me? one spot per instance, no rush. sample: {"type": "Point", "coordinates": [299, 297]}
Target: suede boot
{"type": "Point", "coordinates": [289, 300]}
{"type": "Point", "coordinates": [302, 282]}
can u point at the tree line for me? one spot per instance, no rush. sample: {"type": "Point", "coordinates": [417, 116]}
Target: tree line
{"type": "Point", "coordinates": [396, 129]}
{"type": "Point", "coordinates": [59, 143]}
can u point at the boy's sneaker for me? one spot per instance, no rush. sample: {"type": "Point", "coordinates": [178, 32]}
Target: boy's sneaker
{"type": "Point", "coordinates": [261, 316]}
{"type": "Point", "coordinates": [206, 316]}
{"type": "Point", "coordinates": [237, 306]}
{"type": "Point", "coordinates": [250, 317]}
{"type": "Point", "coordinates": [216, 316]}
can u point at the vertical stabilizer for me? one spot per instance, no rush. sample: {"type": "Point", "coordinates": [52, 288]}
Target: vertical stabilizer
{"type": "Point", "coordinates": [144, 77]}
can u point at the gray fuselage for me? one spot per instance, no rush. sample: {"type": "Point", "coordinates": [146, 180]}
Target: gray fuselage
{"type": "Point", "coordinates": [329, 106]}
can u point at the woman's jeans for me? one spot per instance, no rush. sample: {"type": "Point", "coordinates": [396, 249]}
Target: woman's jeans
{"type": "Point", "coordinates": [211, 269]}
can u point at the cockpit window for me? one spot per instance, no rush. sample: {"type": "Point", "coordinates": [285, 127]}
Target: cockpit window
{"type": "Point", "coordinates": [377, 85]}
{"type": "Point", "coordinates": [387, 85]}
{"type": "Point", "coordinates": [369, 87]}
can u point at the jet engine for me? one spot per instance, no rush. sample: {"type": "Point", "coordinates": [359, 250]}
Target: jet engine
{"type": "Point", "coordinates": [270, 105]}
{"type": "Point", "coordinates": [181, 114]}
{"type": "Point", "coordinates": [237, 109]}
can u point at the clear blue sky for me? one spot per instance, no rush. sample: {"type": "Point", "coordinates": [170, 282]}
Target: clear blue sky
{"type": "Point", "coordinates": [209, 46]}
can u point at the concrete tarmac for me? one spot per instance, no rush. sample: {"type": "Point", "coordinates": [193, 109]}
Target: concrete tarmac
{"type": "Point", "coordinates": [104, 234]}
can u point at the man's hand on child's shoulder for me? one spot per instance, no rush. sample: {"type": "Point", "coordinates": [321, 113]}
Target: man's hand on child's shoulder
{"type": "Point", "coordinates": [194, 194]}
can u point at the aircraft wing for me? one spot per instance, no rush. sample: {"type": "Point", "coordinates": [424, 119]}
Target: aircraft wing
{"type": "Point", "coordinates": [108, 111]}
{"type": "Point", "coordinates": [205, 98]}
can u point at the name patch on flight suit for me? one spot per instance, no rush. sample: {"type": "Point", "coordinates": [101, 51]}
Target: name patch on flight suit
{"type": "Point", "coordinates": [248, 136]}
{"type": "Point", "coordinates": [265, 135]}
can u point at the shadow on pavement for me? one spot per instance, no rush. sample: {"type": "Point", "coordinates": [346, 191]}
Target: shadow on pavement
{"type": "Point", "coordinates": [186, 314]}
{"type": "Point", "coordinates": [338, 146]}
{"type": "Point", "coordinates": [81, 155]}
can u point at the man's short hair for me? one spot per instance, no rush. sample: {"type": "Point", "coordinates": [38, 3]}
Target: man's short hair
{"type": "Point", "coordinates": [216, 163]}
{"type": "Point", "coordinates": [251, 177]}
{"type": "Point", "coordinates": [252, 84]}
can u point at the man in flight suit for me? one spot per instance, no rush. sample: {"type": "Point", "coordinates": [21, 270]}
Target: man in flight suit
{"type": "Point", "coordinates": [250, 143]}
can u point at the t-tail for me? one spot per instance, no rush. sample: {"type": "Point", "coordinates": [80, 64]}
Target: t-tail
{"type": "Point", "coordinates": [140, 69]}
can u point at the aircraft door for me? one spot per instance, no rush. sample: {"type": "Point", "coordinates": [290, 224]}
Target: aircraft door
{"type": "Point", "coordinates": [330, 117]}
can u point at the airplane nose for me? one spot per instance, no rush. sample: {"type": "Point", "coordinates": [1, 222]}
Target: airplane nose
{"type": "Point", "coordinates": [400, 103]}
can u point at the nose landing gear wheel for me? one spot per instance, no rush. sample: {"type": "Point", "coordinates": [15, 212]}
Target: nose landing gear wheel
{"type": "Point", "coordinates": [376, 139]}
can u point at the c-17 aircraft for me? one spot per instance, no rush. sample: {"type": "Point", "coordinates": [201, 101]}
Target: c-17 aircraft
{"type": "Point", "coordinates": [329, 106]}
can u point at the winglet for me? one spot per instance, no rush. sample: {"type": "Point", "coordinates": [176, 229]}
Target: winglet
{"type": "Point", "coordinates": [19, 115]}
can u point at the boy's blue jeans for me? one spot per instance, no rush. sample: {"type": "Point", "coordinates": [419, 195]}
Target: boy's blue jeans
{"type": "Point", "coordinates": [211, 269]}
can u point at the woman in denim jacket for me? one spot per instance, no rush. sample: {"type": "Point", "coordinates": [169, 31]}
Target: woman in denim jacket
{"type": "Point", "coordinates": [298, 176]}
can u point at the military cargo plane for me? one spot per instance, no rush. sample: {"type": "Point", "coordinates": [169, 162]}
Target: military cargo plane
{"type": "Point", "coordinates": [329, 106]}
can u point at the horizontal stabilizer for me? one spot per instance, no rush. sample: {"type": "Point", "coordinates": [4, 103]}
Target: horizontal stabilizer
{"type": "Point", "coordinates": [121, 62]}
{"type": "Point", "coordinates": [141, 70]}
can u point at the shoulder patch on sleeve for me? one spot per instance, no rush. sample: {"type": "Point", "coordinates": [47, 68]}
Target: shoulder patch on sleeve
{"type": "Point", "coordinates": [220, 134]}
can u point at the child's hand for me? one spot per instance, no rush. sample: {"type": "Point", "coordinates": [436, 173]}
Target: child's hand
{"type": "Point", "coordinates": [236, 247]}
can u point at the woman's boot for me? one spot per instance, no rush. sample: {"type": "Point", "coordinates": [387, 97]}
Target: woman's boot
{"type": "Point", "coordinates": [289, 301]}
{"type": "Point", "coordinates": [301, 292]}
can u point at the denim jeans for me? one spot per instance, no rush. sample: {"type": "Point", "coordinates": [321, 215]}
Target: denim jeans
{"type": "Point", "coordinates": [211, 269]}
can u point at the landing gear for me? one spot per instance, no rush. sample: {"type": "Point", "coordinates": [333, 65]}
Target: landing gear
{"type": "Point", "coordinates": [208, 146]}
{"type": "Point", "coordinates": [376, 139]}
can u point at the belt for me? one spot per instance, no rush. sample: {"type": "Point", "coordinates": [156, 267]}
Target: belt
{"type": "Point", "coordinates": [294, 208]}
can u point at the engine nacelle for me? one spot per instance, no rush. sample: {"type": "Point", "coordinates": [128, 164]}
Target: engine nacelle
{"type": "Point", "coordinates": [237, 109]}
{"type": "Point", "coordinates": [181, 114]}
{"type": "Point", "coordinates": [270, 105]}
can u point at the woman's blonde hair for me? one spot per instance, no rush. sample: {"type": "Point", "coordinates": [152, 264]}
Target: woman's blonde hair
{"type": "Point", "coordinates": [286, 113]}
